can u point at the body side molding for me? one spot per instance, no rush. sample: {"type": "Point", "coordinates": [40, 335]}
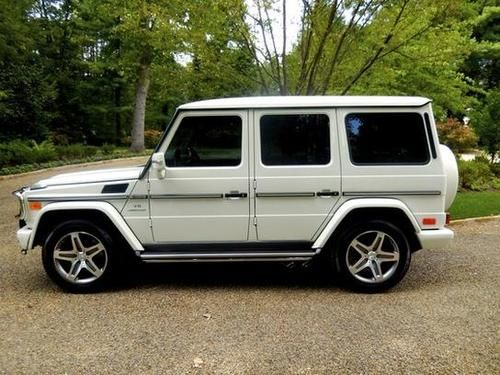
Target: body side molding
{"type": "Point", "coordinates": [104, 207]}
{"type": "Point", "coordinates": [353, 204]}
{"type": "Point", "coordinates": [389, 193]}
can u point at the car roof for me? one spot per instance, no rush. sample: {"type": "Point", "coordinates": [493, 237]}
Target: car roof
{"type": "Point", "coordinates": [307, 101]}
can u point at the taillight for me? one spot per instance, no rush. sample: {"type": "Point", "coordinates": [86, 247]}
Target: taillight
{"type": "Point", "coordinates": [429, 221]}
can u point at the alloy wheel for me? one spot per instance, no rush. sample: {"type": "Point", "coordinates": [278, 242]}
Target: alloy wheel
{"type": "Point", "coordinates": [372, 257]}
{"type": "Point", "coordinates": [80, 257]}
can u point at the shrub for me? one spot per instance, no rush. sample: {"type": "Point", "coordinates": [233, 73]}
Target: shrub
{"type": "Point", "coordinates": [18, 152]}
{"type": "Point", "coordinates": [19, 156]}
{"type": "Point", "coordinates": [495, 168]}
{"type": "Point", "coordinates": [14, 153]}
{"type": "Point", "coordinates": [482, 159]}
{"type": "Point", "coordinates": [75, 151]}
{"type": "Point", "coordinates": [486, 122]}
{"type": "Point", "coordinates": [43, 152]}
{"type": "Point", "coordinates": [107, 149]}
{"type": "Point", "coordinates": [475, 175]}
{"type": "Point", "coordinates": [151, 138]}
{"type": "Point", "coordinates": [456, 135]}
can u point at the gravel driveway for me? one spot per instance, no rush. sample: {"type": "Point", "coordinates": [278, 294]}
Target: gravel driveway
{"type": "Point", "coordinates": [253, 319]}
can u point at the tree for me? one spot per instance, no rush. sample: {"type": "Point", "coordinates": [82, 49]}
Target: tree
{"type": "Point", "coordinates": [483, 69]}
{"type": "Point", "coordinates": [429, 66]}
{"type": "Point", "coordinates": [147, 34]}
{"type": "Point", "coordinates": [219, 65]}
{"type": "Point", "coordinates": [486, 121]}
{"type": "Point", "coordinates": [483, 65]}
{"type": "Point", "coordinates": [339, 42]}
{"type": "Point", "coordinates": [57, 44]}
{"type": "Point", "coordinates": [155, 36]}
{"type": "Point", "coordinates": [210, 62]}
{"type": "Point", "coordinates": [24, 93]}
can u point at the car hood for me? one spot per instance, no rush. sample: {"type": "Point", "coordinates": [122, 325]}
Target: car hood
{"type": "Point", "coordinates": [102, 175]}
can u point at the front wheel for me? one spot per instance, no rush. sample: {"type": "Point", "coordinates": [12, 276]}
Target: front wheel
{"type": "Point", "coordinates": [372, 257]}
{"type": "Point", "coordinates": [78, 256]}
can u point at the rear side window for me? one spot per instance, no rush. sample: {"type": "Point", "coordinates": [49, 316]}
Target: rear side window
{"type": "Point", "coordinates": [206, 141]}
{"type": "Point", "coordinates": [387, 138]}
{"type": "Point", "coordinates": [302, 139]}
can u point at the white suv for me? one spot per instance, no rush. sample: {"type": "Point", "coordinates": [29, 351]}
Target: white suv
{"type": "Point", "coordinates": [357, 182]}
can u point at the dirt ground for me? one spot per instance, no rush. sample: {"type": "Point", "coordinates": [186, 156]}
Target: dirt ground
{"type": "Point", "coordinates": [253, 318]}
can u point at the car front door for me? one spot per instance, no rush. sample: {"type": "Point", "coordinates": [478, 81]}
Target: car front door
{"type": "Point", "coordinates": [204, 196]}
{"type": "Point", "coordinates": [296, 172]}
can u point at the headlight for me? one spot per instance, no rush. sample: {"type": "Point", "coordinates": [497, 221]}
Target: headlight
{"type": "Point", "coordinates": [20, 196]}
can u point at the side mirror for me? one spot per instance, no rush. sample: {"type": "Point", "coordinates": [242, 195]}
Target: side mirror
{"type": "Point", "coordinates": [158, 164]}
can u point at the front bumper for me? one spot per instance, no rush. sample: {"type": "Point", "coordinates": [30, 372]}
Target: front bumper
{"type": "Point", "coordinates": [23, 237]}
{"type": "Point", "coordinates": [435, 238]}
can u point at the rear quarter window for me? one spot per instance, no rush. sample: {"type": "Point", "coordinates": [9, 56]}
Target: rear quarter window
{"type": "Point", "coordinates": [387, 138]}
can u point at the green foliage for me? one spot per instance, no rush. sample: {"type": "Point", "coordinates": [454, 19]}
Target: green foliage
{"type": "Point", "coordinates": [14, 153]}
{"type": "Point", "coordinates": [19, 156]}
{"type": "Point", "coordinates": [69, 68]}
{"type": "Point", "coordinates": [495, 168]}
{"type": "Point", "coordinates": [483, 64]}
{"type": "Point", "coordinates": [428, 65]}
{"type": "Point", "coordinates": [486, 121]}
{"type": "Point", "coordinates": [18, 152]}
{"type": "Point", "coordinates": [478, 175]}
{"type": "Point", "coordinates": [14, 31]}
{"type": "Point", "coordinates": [75, 151]}
{"type": "Point", "coordinates": [22, 168]}
{"type": "Point", "coordinates": [370, 48]}
{"type": "Point", "coordinates": [456, 135]}
{"type": "Point", "coordinates": [482, 68]}
{"type": "Point", "coordinates": [107, 149]}
{"type": "Point", "coordinates": [43, 152]}
{"type": "Point", "coordinates": [24, 91]}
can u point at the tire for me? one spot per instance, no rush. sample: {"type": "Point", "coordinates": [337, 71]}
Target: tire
{"type": "Point", "coordinates": [372, 257]}
{"type": "Point", "coordinates": [78, 256]}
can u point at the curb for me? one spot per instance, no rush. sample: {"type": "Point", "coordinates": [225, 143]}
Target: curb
{"type": "Point", "coordinates": [62, 167]}
{"type": "Point", "coordinates": [472, 219]}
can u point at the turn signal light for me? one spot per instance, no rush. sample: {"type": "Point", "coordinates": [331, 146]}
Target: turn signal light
{"type": "Point", "coordinates": [429, 221]}
{"type": "Point", "coordinates": [35, 206]}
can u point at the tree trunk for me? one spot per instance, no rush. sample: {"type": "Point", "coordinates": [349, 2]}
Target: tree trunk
{"type": "Point", "coordinates": [118, 115]}
{"type": "Point", "coordinates": [141, 93]}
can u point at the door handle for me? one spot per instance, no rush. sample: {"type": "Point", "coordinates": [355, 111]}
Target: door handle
{"type": "Point", "coordinates": [327, 193]}
{"type": "Point", "coordinates": [235, 195]}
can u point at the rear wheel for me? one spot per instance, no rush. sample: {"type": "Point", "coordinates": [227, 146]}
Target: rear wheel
{"type": "Point", "coordinates": [78, 256]}
{"type": "Point", "coordinates": [372, 257]}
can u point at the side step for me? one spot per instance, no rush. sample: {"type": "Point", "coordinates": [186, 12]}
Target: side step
{"type": "Point", "coordinates": [222, 256]}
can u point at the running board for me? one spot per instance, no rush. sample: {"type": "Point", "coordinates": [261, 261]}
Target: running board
{"type": "Point", "coordinates": [244, 256]}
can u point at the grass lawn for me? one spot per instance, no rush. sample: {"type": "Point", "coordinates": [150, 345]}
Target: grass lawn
{"type": "Point", "coordinates": [475, 204]}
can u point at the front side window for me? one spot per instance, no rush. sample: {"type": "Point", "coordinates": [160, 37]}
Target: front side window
{"type": "Point", "coordinates": [387, 138]}
{"type": "Point", "coordinates": [206, 141]}
{"type": "Point", "coordinates": [302, 139]}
